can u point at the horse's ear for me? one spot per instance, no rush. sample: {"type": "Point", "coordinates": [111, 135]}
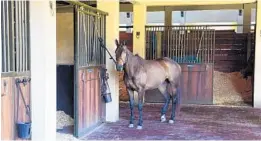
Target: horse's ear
{"type": "Point", "coordinates": [117, 42]}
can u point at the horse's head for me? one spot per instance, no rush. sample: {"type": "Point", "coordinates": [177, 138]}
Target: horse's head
{"type": "Point", "coordinates": [121, 53]}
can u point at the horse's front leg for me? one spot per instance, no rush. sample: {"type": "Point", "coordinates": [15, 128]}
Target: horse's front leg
{"type": "Point", "coordinates": [140, 106]}
{"type": "Point", "coordinates": [131, 100]}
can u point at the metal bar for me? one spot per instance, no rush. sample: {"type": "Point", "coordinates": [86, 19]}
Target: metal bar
{"type": "Point", "coordinates": [16, 36]}
{"type": "Point", "coordinates": [81, 38]}
{"type": "Point", "coordinates": [104, 35]}
{"type": "Point", "coordinates": [8, 35]}
{"type": "Point", "coordinates": [23, 35]}
{"type": "Point", "coordinates": [89, 39]}
{"type": "Point", "coordinates": [86, 6]}
{"type": "Point", "coordinates": [28, 35]}
{"type": "Point", "coordinates": [12, 36]}
{"type": "Point", "coordinates": [4, 36]}
{"type": "Point", "coordinates": [76, 60]}
{"type": "Point", "coordinates": [20, 37]}
{"type": "Point", "coordinates": [86, 39]}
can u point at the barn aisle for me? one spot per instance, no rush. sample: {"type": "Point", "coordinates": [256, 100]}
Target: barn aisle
{"type": "Point", "coordinates": [194, 122]}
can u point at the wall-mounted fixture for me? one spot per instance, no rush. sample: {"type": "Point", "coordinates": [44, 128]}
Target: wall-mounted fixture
{"type": "Point", "coordinates": [128, 14]}
{"type": "Point", "coordinates": [51, 7]}
{"type": "Point", "coordinates": [240, 12]}
{"type": "Point", "coordinates": [137, 34]}
{"type": "Point", "coordinates": [182, 13]}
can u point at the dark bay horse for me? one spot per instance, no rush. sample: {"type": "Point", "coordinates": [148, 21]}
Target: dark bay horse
{"type": "Point", "coordinates": [141, 75]}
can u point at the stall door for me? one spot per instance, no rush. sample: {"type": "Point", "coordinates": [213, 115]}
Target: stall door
{"type": "Point", "coordinates": [88, 103]}
{"type": "Point", "coordinates": [196, 85]}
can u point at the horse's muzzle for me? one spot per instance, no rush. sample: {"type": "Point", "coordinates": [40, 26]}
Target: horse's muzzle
{"type": "Point", "coordinates": [119, 67]}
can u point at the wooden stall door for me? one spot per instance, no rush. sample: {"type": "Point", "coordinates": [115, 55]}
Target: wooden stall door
{"type": "Point", "coordinates": [7, 109]}
{"type": "Point", "coordinates": [90, 108]}
{"type": "Point", "coordinates": [196, 86]}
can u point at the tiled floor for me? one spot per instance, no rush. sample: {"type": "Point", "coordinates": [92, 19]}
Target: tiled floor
{"type": "Point", "coordinates": [193, 122]}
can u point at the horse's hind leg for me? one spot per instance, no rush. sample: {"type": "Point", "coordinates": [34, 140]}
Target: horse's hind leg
{"type": "Point", "coordinates": [163, 90]}
{"type": "Point", "coordinates": [175, 93]}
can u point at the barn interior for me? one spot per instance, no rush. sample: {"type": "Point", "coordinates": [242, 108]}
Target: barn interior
{"type": "Point", "coordinates": [233, 49]}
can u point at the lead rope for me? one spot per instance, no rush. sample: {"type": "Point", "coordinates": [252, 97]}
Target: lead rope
{"type": "Point", "coordinates": [27, 107]}
{"type": "Point", "coordinates": [100, 39]}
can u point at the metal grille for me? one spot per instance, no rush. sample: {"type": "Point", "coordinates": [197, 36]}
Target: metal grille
{"type": "Point", "coordinates": [184, 44]}
{"type": "Point", "coordinates": [90, 27]}
{"type": "Point", "coordinates": [15, 33]}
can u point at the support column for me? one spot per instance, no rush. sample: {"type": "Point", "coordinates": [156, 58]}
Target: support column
{"type": "Point", "coordinates": [247, 27]}
{"type": "Point", "coordinates": [43, 69]}
{"type": "Point", "coordinates": [139, 35]}
{"type": "Point", "coordinates": [1, 76]}
{"type": "Point", "coordinates": [112, 33]}
{"type": "Point", "coordinates": [246, 18]}
{"type": "Point", "coordinates": [139, 22]}
{"type": "Point", "coordinates": [257, 68]}
{"type": "Point", "coordinates": [168, 16]}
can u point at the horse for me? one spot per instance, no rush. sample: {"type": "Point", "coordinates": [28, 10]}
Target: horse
{"type": "Point", "coordinates": [141, 75]}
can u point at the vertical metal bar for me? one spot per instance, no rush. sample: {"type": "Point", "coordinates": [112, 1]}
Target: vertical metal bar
{"type": "Point", "coordinates": [83, 47]}
{"type": "Point", "coordinates": [208, 44]}
{"type": "Point", "coordinates": [20, 37]}
{"type": "Point", "coordinates": [8, 35]}
{"type": "Point", "coordinates": [12, 38]}
{"type": "Point", "coordinates": [104, 37]}
{"type": "Point", "coordinates": [16, 37]}
{"type": "Point", "coordinates": [76, 60]}
{"type": "Point", "coordinates": [95, 39]}
{"type": "Point", "coordinates": [89, 38]}
{"type": "Point", "coordinates": [82, 34]}
{"type": "Point", "coordinates": [23, 35]}
{"type": "Point", "coordinates": [4, 37]}
{"type": "Point", "coordinates": [148, 44]}
{"type": "Point", "coordinates": [28, 35]}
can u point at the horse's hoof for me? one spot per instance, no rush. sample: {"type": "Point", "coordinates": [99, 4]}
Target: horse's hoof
{"type": "Point", "coordinates": [171, 121]}
{"type": "Point", "coordinates": [163, 118]}
{"type": "Point", "coordinates": [139, 127]}
{"type": "Point", "coordinates": [131, 125]}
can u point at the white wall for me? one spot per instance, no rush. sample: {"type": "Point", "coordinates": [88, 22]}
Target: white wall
{"type": "Point", "coordinates": [65, 37]}
{"type": "Point", "coordinates": [43, 69]}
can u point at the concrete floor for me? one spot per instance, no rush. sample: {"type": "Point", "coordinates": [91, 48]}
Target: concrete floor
{"type": "Point", "coordinates": [193, 123]}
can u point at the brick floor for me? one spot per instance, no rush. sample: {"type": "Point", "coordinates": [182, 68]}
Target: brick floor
{"type": "Point", "coordinates": [193, 123]}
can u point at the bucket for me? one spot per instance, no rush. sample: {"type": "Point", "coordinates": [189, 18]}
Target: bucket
{"type": "Point", "coordinates": [107, 97]}
{"type": "Point", "coordinates": [23, 129]}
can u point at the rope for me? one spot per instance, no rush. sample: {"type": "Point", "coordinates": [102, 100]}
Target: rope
{"type": "Point", "coordinates": [100, 39]}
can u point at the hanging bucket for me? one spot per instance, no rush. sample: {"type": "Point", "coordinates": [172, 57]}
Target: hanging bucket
{"type": "Point", "coordinates": [107, 97]}
{"type": "Point", "coordinates": [23, 129]}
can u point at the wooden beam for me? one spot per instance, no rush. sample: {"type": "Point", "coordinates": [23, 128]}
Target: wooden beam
{"type": "Point", "coordinates": [129, 7]}
{"type": "Point", "coordinates": [192, 2]}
